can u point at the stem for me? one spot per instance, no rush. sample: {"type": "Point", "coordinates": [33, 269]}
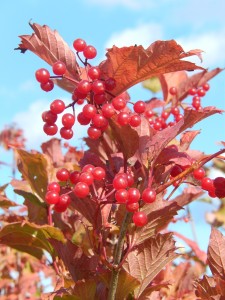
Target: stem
{"type": "Point", "coordinates": [50, 215]}
{"type": "Point", "coordinates": [117, 257]}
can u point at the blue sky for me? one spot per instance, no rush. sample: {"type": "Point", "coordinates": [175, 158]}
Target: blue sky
{"type": "Point", "coordinates": [194, 24]}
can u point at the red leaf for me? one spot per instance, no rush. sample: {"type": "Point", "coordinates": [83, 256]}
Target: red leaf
{"type": "Point", "coordinates": [131, 65]}
{"type": "Point", "coordinates": [216, 253]}
{"type": "Point", "coordinates": [189, 194]}
{"type": "Point", "coordinates": [187, 138]}
{"type": "Point", "coordinates": [53, 150]}
{"type": "Point", "coordinates": [145, 261]}
{"type": "Point", "coordinates": [50, 46]}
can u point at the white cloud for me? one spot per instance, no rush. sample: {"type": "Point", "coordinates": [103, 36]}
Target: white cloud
{"type": "Point", "coordinates": [31, 123]}
{"type": "Point", "coordinates": [212, 43]}
{"type": "Point", "coordinates": [27, 85]}
{"type": "Point", "coordinates": [143, 34]}
{"type": "Point", "coordinates": [132, 4]}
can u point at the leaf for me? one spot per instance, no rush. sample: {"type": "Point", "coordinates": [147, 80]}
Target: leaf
{"type": "Point", "coordinates": [188, 195]}
{"type": "Point", "coordinates": [126, 283]}
{"type": "Point", "coordinates": [53, 150]}
{"type": "Point", "coordinates": [85, 289]}
{"type": "Point", "coordinates": [49, 46]}
{"type": "Point", "coordinates": [206, 287]}
{"type": "Point", "coordinates": [27, 236]}
{"type": "Point", "coordinates": [33, 168]}
{"type": "Point", "coordinates": [152, 84]}
{"type": "Point", "coordinates": [157, 220]}
{"type": "Point", "coordinates": [187, 138]}
{"type": "Point", "coordinates": [126, 138]}
{"type": "Point", "coordinates": [216, 253]}
{"type": "Point", "coordinates": [131, 65]}
{"type": "Point", "coordinates": [146, 260]}
{"type": "Point", "coordinates": [6, 203]}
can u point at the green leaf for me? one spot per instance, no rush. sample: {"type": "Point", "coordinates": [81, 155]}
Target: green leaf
{"type": "Point", "coordinates": [28, 236]}
{"type": "Point", "coordinates": [33, 167]}
{"type": "Point", "coordinates": [153, 84]}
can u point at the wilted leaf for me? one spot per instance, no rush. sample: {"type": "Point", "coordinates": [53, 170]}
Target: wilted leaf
{"type": "Point", "coordinates": [27, 236]}
{"type": "Point", "coordinates": [206, 288]}
{"type": "Point", "coordinates": [6, 203]}
{"type": "Point", "coordinates": [33, 168]}
{"type": "Point", "coordinates": [153, 84]}
{"type": "Point", "coordinates": [131, 65]}
{"type": "Point", "coordinates": [146, 260]}
{"type": "Point", "coordinates": [50, 46]}
{"type": "Point", "coordinates": [216, 253]}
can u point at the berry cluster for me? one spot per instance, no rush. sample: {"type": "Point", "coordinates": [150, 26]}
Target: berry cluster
{"type": "Point", "coordinates": [82, 185]}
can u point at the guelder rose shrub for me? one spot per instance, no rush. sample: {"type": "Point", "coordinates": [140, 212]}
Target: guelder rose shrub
{"type": "Point", "coordinates": [102, 214]}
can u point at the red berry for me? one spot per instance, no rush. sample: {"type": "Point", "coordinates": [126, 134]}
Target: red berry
{"type": "Point", "coordinates": [110, 84]}
{"type": "Point", "coordinates": [98, 173]}
{"type": "Point", "coordinates": [220, 193]}
{"type": "Point", "coordinates": [121, 196]}
{"type": "Point", "coordinates": [99, 98]}
{"type": "Point", "coordinates": [94, 73]}
{"type": "Point", "coordinates": [74, 177]}
{"type": "Point", "coordinates": [68, 120]}
{"type": "Point", "coordinates": [50, 129]}
{"type": "Point", "coordinates": [53, 186]}
{"type": "Point", "coordinates": [52, 197]}
{"type": "Point", "coordinates": [89, 52]}
{"type": "Point", "coordinates": [89, 111]}
{"type": "Point", "coordinates": [149, 113]}
{"type": "Point", "coordinates": [82, 119]}
{"type": "Point", "coordinates": [219, 183]}
{"type": "Point", "coordinates": [123, 118]}
{"type": "Point", "coordinates": [149, 195]}
{"type": "Point", "coordinates": [108, 110]}
{"type": "Point", "coordinates": [64, 202]}
{"type": "Point", "coordinates": [84, 87]}
{"type": "Point", "coordinates": [77, 95]}
{"type": "Point", "coordinates": [206, 87]}
{"type": "Point", "coordinates": [49, 117]}
{"type": "Point", "coordinates": [63, 174]}
{"type": "Point", "coordinates": [120, 182]}
{"type": "Point", "coordinates": [42, 75]}
{"type": "Point", "coordinates": [132, 207]}
{"type": "Point", "coordinates": [98, 87]}
{"type": "Point", "coordinates": [94, 133]}
{"type": "Point", "coordinates": [207, 184]}
{"type": "Point", "coordinates": [173, 91]}
{"type": "Point", "coordinates": [59, 68]}
{"type": "Point", "coordinates": [81, 190]}
{"type": "Point", "coordinates": [201, 92]}
{"type": "Point", "coordinates": [176, 170]}
{"type": "Point", "coordinates": [48, 86]}
{"type": "Point", "coordinates": [79, 45]}
{"type": "Point", "coordinates": [178, 117]}
{"type": "Point", "coordinates": [175, 111]}
{"type": "Point", "coordinates": [66, 133]}
{"type": "Point", "coordinates": [119, 103]}
{"type": "Point", "coordinates": [86, 177]}
{"type": "Point", "coordinates": [192, 91]}
{"type": "Point", "coordinates": [135, 120]}
{"type": "Point", "coordinates": [199, 173]}
{"type": "Point", "coordinates": [133, 195]}
{"type": "Point", "coordinates": [99, 121]}
{"type": "Point", "coordinates": [140, 219]}
{"type": "Point", "coordinates": [157, 125]}
{"type": "Point", "coordinates": [139, 107]}
{"type": "Point", "coordinates": [130, 180]}
{"type": "Point", "coordinates": [88, 168]}
{"type": "Point", "coordinates": [57, 106]}
{"type": "Point", "coordinates": [165, 114]}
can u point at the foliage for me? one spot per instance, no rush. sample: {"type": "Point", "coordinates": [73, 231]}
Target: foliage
{"type": "Point", "coordinates": [92, 246]}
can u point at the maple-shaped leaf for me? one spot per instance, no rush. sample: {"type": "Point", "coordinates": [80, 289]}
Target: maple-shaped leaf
{"type": "Point", "coordinates": [49, 46]}
{"type": "Point", "coordinates": [131, 65]}
{"type": "Point", "coordinates": [146, 260]}
{"type": "Point", "coordinates": [184, 83]}
{"type": "Point", "coordinates": [206, 288]}
{"type": "Point", "coordinates": [216, 253]}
